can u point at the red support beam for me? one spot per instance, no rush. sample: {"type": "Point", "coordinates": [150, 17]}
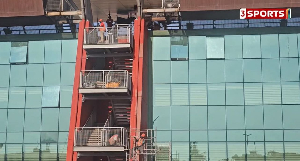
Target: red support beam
{"type": "Point", "coordinates": [75, 97]}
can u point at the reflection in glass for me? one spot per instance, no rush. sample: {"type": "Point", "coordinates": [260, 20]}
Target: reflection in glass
{"type": "Point", "coordinates": [14, 151]}
{"type": "Point", "coordinates": [254, 122]}
{"type": "Point", "coordinates": [234, 94]}
{"type": "Point", "coordinates": [217, 135]}
{"type": "Point", "coordinates": [31, 152]}
{"type": "Point", "coordinates": [252, 70]}
{"type": "Point", "coordinates": [14, 137]}
{"type": "Point", "coordinates": [161, 95]}
{"type": "Point", "coordinates": [236, 135]}
{"type": "Point", "coordinates": [161, 118]}
{"type": "Point", "coordinates": [292, 151]}
{"type": "Point", "coordinates": [197, 71]}
{"type": "Point", "coordinates": [255, 151]}
{"type": "Point", "coordinates": [198, 94]}
{"type": "Point", "coordinates": [291, 135]}
{"type": "Point", "coordinates": [291, 116]}
{"type": "Point", "coordinates": [50, 119]}
{"type": "Point", "coordinates": [2, 151]}
{"type": "Point", "coordinates": [289, 69]}
{"type": "Point", "coordinates": [180, 135]}
{"type": "Point", "coordinates": [215, 47]}
{"type": "Point", "coordinates": [271, 71]}
{"type": "Point", "coordinates": [180, 117]}
{"type": "Point", "coordinates": [180, 151]}
{"type": "Point", "coordinates": [217, 151]}
{"type": "Point", "coordinates": [274, 135]}
{"type": "Point", "coordinates": [236, 151]}
{"type": "Point", "coordinates": [62, 151]}
{"type": "Point", "coordinates": [3, 120]}
{"type": "Point", "coordinates": [179, 71]}
{"type": "Point", "coordinates": [215, 71]}
{"type": "Point", "coordinates": [180, 94]}
{"type": "Point", "coordinates": [251, 46]}
{"type": "Point", "coordinates": [235, 117]}
{"type": "Point", "coordinates": [273, 116]}
{"type": "Point", "coordinates": [253, 93]}
{"type": "Point", "coordinates": [274, 151]}
{"type": "Point", "coordinates": [198, 135]}
{"type": "Point", "coordinates": [32, 137]}
{"type": "Point", "coordinates": [272, 93]}
{"type": "Point", "coordinates": [216, 94]}
{"type": "Point", "coordinates": [161, 72]}
{"type": "Point", "coordinates": [198, 117]}
{"type": "Point", "coordinates": [49, 151]}
{"type": "Point", "coordinates": [234, 70]}
{"type": "Point", "coordinates": [15, 120]}
{"type": "Point", "coordinates": [290, 93]}
{"type": "Point", "coordinates": [198, 151]}
{"type": "Point", "coordinates": [32, 120]}
{"type": "Point", "coordinates": [216, 117]}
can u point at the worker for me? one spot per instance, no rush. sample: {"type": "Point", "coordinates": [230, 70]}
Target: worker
{"type": "Point", "coordinates": [140, 142]}
{"type": "Point", "coordinates": [102, 30]}
{"type": "Point", "coordinates": [109, 21]}
{"type": "Point", "coordinates": [114, 140]}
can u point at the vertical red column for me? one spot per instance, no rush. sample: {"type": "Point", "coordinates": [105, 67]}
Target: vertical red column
{"type": "Point", "coordinates": [133, 114]}
{"type": "Point", "coordinates": [75, 97]}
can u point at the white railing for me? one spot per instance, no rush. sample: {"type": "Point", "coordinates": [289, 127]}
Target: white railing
{"type": "Point", "coordinates": [101, 136]}
{"type": "Point", "coordinates": [109, 79]}
{"type": "Point", "coordinates": [118, 34]}
{"type": "Point", "coordinates": [91, 120]}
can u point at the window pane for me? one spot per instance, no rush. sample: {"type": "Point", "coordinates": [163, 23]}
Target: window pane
{"type": "Point", "coordinates": [62, 150]}
{"type": "Point", "coordinates": [274, 135]}
{"type": "Point", "coordinates": [53, 51]}
{"type": "Point", "coordinates": [198, 94]}
{"type": "Point", "coordinates": [14, 137]}
{"type": "Point", "coordinates": [32, 120]}
{"type": "Point", "coordinates": [255, 151]}
{"type": "Point", "coordinates": [234, 94]}
{"type": "Point", "coordinates": [252, 70]}
{"type": "Point", "coordinates": [217, 135]}
{"type": "Point", "coordinates": [274, 151]}
{"type": "Point", "coordinates": [289, 69]}
{"type": "Point", "coordinates": [5, 52]}
{"type": "Point", "coordinates": [271, 71]}
{"type": "Point", "coordinates": [35, 74]}
{"type": "Point", "coordinates": [288, 45]}
{"type": "Point", "coordinates": [269, 46]}
{"type": "Point", "coordinates": [31, 137]}
{"type": "Point", "coordinates": [180, 151]}
{"type": "Point", "coordinates": [236, 151]}
{"type": "Point", "coordinates": [2, 152]}
{"type": "Point", "coordinates": [49, 151]}
{"type": "Point", "coordinates": [161, 118]}
{"type": "Point", "coordinates": [253, 93]}
{"type": "Point", "coordinates": [179, 71]}
{"type": "Point", "coordinates": [255, 135]}
{"type": "Point", "coordinates": [14, 152]}
{"type": "Point", "coordinates": [197, 71]}
{"type": "Point", "coordinates": [34, 97]}
{"type": "Point", "coordinates": [215, 47]}
{"type": "Point", "coordinates": [216, 117]}
{"type": "Point", "coordinates": [234, 70]}
{"type": "Point", "coordinates": [251, 46]}
{"type": "Point", "coordinates": [273, 116]}
{"type": "Point", "coordinates": [51, 74]}
{"type": "Point", "coordinates": [233, 46]}
{"type": "Point", "coordinates": [197, 47]}
{"type": "Point", "coordinates": [179, 47]}
{"type": "Point", "coordinates": [181, 112]}
{"type": "Point", "coordinates": [66, 96]}
{"type": "Point", "coordinates": [3, 97]}
{"type": "Point", "coordinates": [161, 48]}
{"type": "Point", "coordinates": [64, 119]}
{"type": "Point", "coordinates": [161, 95]}
{"type": "Point", "coordinates": [215, 71]}
{"type": "Point", "coordinates": [180, 94]}
{"type": "Point", "coordinates": [36, 51]}
{"type": "Point", "coordinates": [16, 97]}
{"type": "Point", "coordinates": [49, 137]}
{"type": "Point", "coordinates": [163, 136]}
{"type": "Point", "coordinates": [198, 151]}
{"type": "Point", "coordinates": [15, 120]}
{"type": "Point", "coordinates": [292, 151]}
{"type": "Point", "coordinates": [18, 75]}
{"type": "Point", "coordinates": [216, 94]}
{"type": "Point", "coordinates": [236, 135]}
{"type": "Point", "coordinates": [50, 96]}
{"type": "Point", "coordinates": [217, 151]}
{"type": "Point", "coordinates": [67, 73]}
{"type": "Point", "coordinates": [290, 93]}
{"type": "Point", "coordinates": [63, 137]}
{"type": "Point", "coordinates": [180, 135]}
{"type": "Point", "coordinates": [31, 152]}
{"type": "Point", "coordinates": [3, 120]}
{"type": "Point", "coordinates": [198, 117]}
{"type": "Point", "coordinates": [69, 50]}
{"type": "Point", "coordinates": [50, 119]}
{"type": "Point", "coordinates": [291, 116]}
{"type": "Point", "coordinates": [272, 93]}
{"type": "Point", "coordinates": [198, 135]}
{"type": "Point", "coordinates": [235, 117]}
{"type": "Point", "coordinates": [291, 135]}
{"type": "Point", "coordinates": [4, 79]}
{"type": "Point", "coordinates": [254, 122]}
{"type": "Point", "coordinates": [18, 54]}
{"type": "Point", "coordinates": [161, 72]}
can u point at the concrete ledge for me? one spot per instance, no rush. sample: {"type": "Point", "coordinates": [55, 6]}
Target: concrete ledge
{"type": "Point", "coordinates": [105, 90]}
{"type": "Point", "coordinates": [106, 46]}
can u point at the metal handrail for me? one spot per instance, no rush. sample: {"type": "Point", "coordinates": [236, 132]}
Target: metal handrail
{"type": "Point", "coordinates": [100, 136]}
{"type": "Point", "coordinates": [105, 79]}
{"type": "Point", "coordinates": [118, 34]}
{"type": "Point", "coordinates": [91, 120]}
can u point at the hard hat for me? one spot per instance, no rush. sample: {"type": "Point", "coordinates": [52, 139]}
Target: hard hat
{"type": "Point", "coordinates": [100, 20]}
{"type": "Point", "coordinates": [143, 135]}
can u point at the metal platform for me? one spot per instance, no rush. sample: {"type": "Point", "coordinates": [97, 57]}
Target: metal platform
{"type": "Point", "coordinates": [105, 81]}
{"type": "Point", "coordinates": [98, 149]}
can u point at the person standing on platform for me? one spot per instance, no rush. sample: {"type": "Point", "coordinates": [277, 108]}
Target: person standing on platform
{"type": "Point", "coordinates": [102, 30]}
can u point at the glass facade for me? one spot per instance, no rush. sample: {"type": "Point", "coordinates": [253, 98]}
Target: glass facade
{"type": "Point", "coordinates": [36, 89]}
{"type": "Point", "coordinates": [232, 97]}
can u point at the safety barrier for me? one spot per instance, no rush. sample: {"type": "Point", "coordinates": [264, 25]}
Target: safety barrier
{"type": "Point", "coordinates": [105, 79]}
{"type": "Point", "coordinates": [101, 136]}
{"type": "Point", "coordinates": [118, 34]}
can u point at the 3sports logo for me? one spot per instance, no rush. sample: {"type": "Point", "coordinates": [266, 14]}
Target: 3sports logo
{"type": "Point", "coordinates": [271, 13]}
